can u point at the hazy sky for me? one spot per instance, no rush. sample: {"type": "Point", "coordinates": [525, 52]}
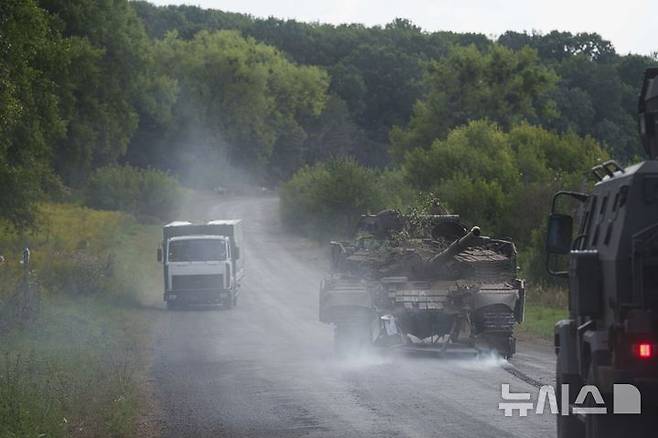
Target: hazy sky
{"type": "Point", "coordinates": [631, 25]}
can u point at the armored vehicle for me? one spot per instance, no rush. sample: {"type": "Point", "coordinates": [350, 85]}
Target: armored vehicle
{"type": "Point", "coordinates": [422, 281]}
{"type": "Point", "coordinates": [609, 344]}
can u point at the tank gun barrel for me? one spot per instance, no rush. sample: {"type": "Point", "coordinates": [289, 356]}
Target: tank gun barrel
{"type": "Point", "coordinates": [457, 246]}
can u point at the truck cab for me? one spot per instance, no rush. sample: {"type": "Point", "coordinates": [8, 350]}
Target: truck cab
{"type": "Point", "coordinates": [202, 263]}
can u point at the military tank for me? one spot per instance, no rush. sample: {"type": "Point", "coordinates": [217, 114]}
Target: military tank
{"type": "Point", "coordinates": [422, 281]}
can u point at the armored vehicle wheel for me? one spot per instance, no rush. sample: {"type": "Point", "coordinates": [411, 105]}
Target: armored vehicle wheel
{"type": "Point", "coordinates": [568, 426]}
{"type": "Point", "coordinates": [618, 426]}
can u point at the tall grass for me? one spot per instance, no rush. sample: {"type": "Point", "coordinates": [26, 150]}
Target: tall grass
{"type": "Point", "coordinates": [75, 372]}
{"type": "Point", "coordinates": [77, 367]}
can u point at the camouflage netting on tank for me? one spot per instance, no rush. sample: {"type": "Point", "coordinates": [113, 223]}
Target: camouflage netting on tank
{"type": "Point", "coordinates": [389, 245]}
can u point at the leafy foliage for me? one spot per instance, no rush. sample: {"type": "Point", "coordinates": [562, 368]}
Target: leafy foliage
{"type": "Point", "coordinates": [236, 96]}
{"type": "Point", "coordinates": [29, 117]}
{"type": "Point", "coordinates": [500, 85]}
{"type": "Point", "coordinates": [501, 180]}
{"type": "Point", "coordinates": [327, 199]}
{"type": "Point", "coordinates": [597, 88]}
{"type": "Point", "coordinates": [504, 181]}
{"type": "Point", "coordinates": [107, 79]}
{"type": "Point", "coordinates": [88, 84]}
{"type": "Point", "coordinates": [144, 193]}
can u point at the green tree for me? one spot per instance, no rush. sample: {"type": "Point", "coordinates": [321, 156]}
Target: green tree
{"type": "Point", "coordinates": [30, 53]}
{"type": "Point", "coordinates": [106, 83]}
{"type": "Point", "coordinates": [327, 199]}
{"type": "Point", "coordinates": [614, 104]}
{"type": "Point", "coordinates": [557, 46]}
{"type": "Point", "coordinates": [500, 180]}
{"type": "Point", "coordinates": [500, 85]}
{"type": "Point", "coordinates": [239, 96]}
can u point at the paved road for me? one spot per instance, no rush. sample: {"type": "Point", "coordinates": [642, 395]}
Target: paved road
{"type": "Point", "coordinates": [266, 368]}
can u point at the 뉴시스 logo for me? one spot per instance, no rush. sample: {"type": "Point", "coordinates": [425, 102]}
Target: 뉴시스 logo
{"type": "Point", "coordinates": [626, 399]}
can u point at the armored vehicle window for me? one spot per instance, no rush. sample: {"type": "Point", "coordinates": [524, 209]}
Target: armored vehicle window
{"type": "Point", "coordinates": [589, 217]}
{"type": "Point", "coordinates": [623, 195]}
{"type": "Point", "coordinates": [585, 225]}
{"type": "Point", "coordinates": [604, 205]}
{"type": "Point", "coordinates": [595, 238]}
{"type": "Point", "coordinates": [616, 203]}
{"type": "Point", "coordinates": [608, 234]}
{"type": "Point", "coordinates": [599, 220]}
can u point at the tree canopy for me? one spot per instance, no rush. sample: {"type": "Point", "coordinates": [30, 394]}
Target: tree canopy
{"type": "Point", "coordinates": [500, 85]}
{"type": "Point", "coordinates": [502, 179]}
{"type": "Point", "coordinates": [213, 96]}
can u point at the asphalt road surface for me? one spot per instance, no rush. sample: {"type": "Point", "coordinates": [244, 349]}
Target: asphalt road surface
{"type": "Point", "coordinates": [266, 368]}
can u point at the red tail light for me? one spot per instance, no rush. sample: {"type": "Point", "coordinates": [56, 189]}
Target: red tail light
{"type": "Point", "coordinates": [643, 350]}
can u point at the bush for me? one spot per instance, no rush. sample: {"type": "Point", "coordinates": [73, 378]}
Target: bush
{"type": "Point", "coordinates": [397, 192]}
{"type": "Point", "coordinates": [141, 192]}
{"type": "Point", "coordinates": [71, 250]}
{"type": "Point", "coordinates": [328, 198]}
{"type": "Point", "coordinates": [501, 180]}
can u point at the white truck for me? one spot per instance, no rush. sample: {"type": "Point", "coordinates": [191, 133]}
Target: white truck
{"type": "Point", "coordinates": [203, 263]}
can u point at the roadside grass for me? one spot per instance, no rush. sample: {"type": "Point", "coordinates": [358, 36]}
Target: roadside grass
{"type": "Point", "coordinates": [77, 366]}
{"type": "Point", "coordinates": [545, 306]}
{"type": "Point", "coordinates": [74, 372]}
{"type": "Point", "coordinates": [540, 320]}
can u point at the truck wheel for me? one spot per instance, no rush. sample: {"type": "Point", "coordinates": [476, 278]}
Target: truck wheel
{"type": "Point", "coordinates": [171, 305]}
{"type": "Point", "coordinates": [235, 300]}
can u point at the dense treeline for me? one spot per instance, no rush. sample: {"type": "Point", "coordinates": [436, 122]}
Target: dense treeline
{"type": "Point", "coordinates": [381, 72]}
{"type": "Point", "coordinates": [86, 84]}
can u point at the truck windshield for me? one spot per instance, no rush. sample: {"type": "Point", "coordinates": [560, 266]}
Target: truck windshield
{"type": "Point", "coordinates": [197, 250]}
